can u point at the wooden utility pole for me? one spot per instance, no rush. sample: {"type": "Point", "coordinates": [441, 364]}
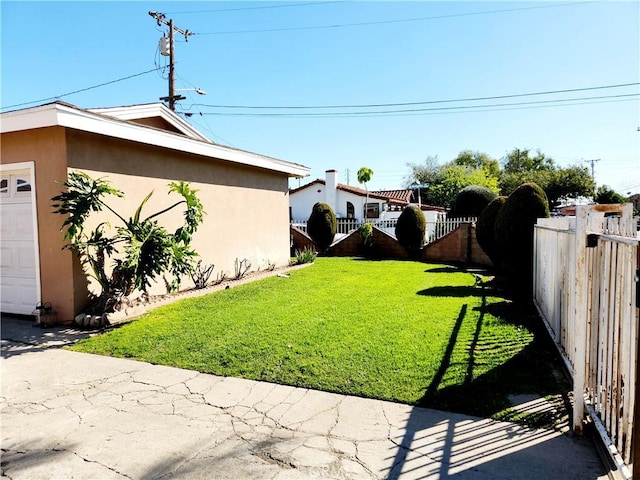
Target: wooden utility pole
{"type": "Point", "coordinates": [172, 98]}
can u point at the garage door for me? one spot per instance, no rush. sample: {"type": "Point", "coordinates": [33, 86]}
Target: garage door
{"type": "Point", "coordinates": [18, 270]}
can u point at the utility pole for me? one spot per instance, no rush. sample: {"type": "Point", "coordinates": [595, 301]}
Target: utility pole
{"type": "Point", "coordinates": [592, 162]}
{"type": "Point", "coordinates": [172, 98]}
{"type": "Point", "coordinates": [347, 172]}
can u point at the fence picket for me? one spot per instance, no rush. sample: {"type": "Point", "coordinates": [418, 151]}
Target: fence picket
{"type": "Point", "coordinates": [610, 353]}
{"type": "Point", "coordinates": [434, 230]}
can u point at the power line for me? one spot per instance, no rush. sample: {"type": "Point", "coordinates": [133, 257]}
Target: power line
{"type": "Point", "coordinates": [81, 90]}
{"type": "Point", "coordinates": [415, 110]}
{"type": "Point", "coordinates": [383, 22]}
{"type": "Point", "coordinates": [255, 8]}
{"type": "Point", "coordinates": [429, 102]}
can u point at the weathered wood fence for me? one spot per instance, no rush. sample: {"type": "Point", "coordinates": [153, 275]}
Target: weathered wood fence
{"type": "Point", "coordinates": [585, 288]}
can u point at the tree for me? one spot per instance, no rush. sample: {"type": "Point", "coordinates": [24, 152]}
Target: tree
{"type": "Point", "coordinates": [322, 225]}
{"type": "Point", "coordinates": [519, 160]}
{"type": "Point", "coordinates": [558, 183]}
{"type": "Point", "coordinates": [364, 175]}
{"type": "Point", "coordinates": [478, 160]}
{"type": "Point", "coordinates": [471, 201]}
{"type": "Point", "coordinates": [410, 229]}
{"type": "Point", "coordinates": [514, 226]}
{"type": "Point", "coordinates": [445, 181]}
{"type": "Point", "coordinates": [140, 250]}
{"type": "Point", "coordinates": [570, 182]}
{"type": "Point", "coordinates": [605, 194]}
{"type": "Point", "coordinates": [486, 230]}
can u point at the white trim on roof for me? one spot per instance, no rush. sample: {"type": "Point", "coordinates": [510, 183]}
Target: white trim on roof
{"type": "Point", "coordinates": [150, 110]}
{"type": "Point", "coordinates": [57, 114]}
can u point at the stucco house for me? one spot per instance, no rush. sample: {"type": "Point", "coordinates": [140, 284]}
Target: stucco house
{"type": "Point", "coordinates": [347, 201]}
{"type": "Point", "coordinates": [138, 149]}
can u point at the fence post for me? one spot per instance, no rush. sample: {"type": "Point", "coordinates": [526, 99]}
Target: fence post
{"type": "Point", "coordinates": [635, 431]}
{"type": "Point", "coordinates": [580, 318]}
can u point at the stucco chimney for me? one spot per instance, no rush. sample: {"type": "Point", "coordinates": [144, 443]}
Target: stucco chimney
{"type": "Point", "coordinates": [331, 188]}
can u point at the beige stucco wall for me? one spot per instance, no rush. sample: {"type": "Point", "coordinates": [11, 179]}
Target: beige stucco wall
{"type": "Point", "coordinates": [247, 208]}
{"type": "Point", "coordinates": [47, 149]}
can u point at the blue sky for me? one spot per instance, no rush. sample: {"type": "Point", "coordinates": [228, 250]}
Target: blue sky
{"type": "Point", "coordinates": [420, 51]}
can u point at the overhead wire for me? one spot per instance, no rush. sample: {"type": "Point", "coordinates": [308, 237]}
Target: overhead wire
{"type": "Point", "coordinates": [55, 97]}
{"type": "Point", "coordinates": [189, 116]}
{"type": "Point", "coordinates": [263, 7]}
{"type": "Point", "coordinates": [383, 22]}
{"type": "Point", "coordinates": [556, 102]}
{"type": "Point", "coordinates": [427, 102]}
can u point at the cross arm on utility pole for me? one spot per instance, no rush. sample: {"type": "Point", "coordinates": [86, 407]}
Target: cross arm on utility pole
{"type": "Point", "coordinates": [172, 98]}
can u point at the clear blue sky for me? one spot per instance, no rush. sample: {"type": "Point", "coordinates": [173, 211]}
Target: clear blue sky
{"type": "Point", "coordinates": [446, 51]}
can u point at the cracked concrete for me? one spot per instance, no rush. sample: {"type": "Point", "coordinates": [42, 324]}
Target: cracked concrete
{"type": "Point", "coordinates": [73, 415]}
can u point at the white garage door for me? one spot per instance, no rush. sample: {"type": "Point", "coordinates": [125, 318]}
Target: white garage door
{"type": "Point", "coordinates": [18, 270]}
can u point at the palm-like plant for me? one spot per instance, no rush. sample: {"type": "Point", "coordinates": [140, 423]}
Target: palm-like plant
{"type": "Point", "coordinates": [141, 249]}
{"type": "Point", "coordinates": [364, 175]}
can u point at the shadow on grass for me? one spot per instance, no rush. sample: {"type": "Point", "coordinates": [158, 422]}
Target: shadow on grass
{"type": "Point", "coordinates": [447, 269]}
{"type": "Point", "coordinates": [531, 370]}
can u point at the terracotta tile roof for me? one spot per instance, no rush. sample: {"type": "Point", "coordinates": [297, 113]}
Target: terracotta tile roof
{"type": "Point", "coordinates": [402, 196]}
{"type": "Point", "coordinates": [345, 188]}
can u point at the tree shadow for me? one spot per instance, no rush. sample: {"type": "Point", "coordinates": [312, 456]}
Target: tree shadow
{"type": "Point", "coordinates": [445, 269]}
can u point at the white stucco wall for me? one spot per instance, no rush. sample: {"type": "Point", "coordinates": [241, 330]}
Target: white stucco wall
{"type": "Point", "coordinates": [302, 201]}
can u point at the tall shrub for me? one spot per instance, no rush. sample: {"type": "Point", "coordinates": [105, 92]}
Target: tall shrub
{"type": "Point", "coordinates": [486, 229]}
{"type": "Point", "coordinates": [471, 201]}
{"type": "Point", "coordinates": [410, 229]}
{"type": "Point", "coordinates": [322, 225]}
{"type": "Point", "coordinates": [514, 230]}
{"type": "Point", "coordinates": [139, 251]}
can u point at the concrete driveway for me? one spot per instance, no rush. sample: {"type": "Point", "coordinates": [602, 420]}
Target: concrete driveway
{"type": "Point", "coordinates": [72, 415]}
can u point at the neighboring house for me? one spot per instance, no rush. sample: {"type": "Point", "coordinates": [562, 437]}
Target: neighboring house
{"type": "Point", "coordinates": [347, 201]}
{"type": "Point", "coordinates": [138, 149]}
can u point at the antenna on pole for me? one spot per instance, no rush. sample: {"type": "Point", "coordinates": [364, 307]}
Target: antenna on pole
{"type": "Point", "coordinates": [167, 48]}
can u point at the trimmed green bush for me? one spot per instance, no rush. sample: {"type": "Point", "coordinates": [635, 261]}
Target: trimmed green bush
{"type": "Point", "coordinates": [486, 229]}
{"type": "Point", "coordinates": [514, 230]}
{"type": "Point", "coordinates": [321, 225]}
{"type": "Point", "coordinates": [410, 229]}
{"type": "Point", "coordinates": [471, 201]}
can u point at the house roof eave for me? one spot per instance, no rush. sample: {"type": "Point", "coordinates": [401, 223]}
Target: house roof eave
{"type": "Point", "coordinates": [70, 116]}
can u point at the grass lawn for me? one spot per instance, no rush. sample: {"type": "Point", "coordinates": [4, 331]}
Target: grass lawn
{"type": "Point", "coordinates": [424, 334]}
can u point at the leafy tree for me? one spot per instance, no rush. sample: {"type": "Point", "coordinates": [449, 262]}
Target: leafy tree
{"type": "Point", "coordinates": [364, 176]}
{"type": "Point", "coordinates": [322, 225]}
{"type": "Point", "coordinates": [514, 226]}
{"type": "Point", "coordinates": [570, 182]}
{"type": "Point", "coordinates": [520, 160]}
{"type": "Point", "coordinates": [478, 160]}
{"type": "Point", "coordinates": [141, 249]}
{"type": "Point", "coordinates": [445, 181]}
{"type": "Point", "coordinates": [558, 183]}
{"type": "Point", "coordinates": [605, 194]}
{"type": "Point", "coordinates": [486, 230]}
{"type": "Point", "coordinates": [410, 229]}
{"type": "Point", "coordinates": [471, 201]}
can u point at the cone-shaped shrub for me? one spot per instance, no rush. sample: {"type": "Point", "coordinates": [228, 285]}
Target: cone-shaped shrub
{"type": "Point", "coordinates": [410, 229]}
{"type": "Point", "coordinates": [321, 225]}
{"type": "Point", "coordinates": [471, 201]}
{"type": "Point", "coordinates": [486, 229]}
{"type": "Point", "coordinates": [514, 230]}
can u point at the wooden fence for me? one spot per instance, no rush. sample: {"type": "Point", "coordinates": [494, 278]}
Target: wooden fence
{"type": "Point", "coordinates": [585, 274]}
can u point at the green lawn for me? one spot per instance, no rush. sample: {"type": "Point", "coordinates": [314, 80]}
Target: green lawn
{"type": "Point", "coordinates": [410, 332]}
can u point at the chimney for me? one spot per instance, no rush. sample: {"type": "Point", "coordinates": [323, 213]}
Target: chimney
{"type": "Point", "coordinates": [331, 189]}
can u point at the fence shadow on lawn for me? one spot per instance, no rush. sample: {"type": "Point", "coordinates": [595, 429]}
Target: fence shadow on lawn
{"type": "Point", "coordinates": [531, 370]}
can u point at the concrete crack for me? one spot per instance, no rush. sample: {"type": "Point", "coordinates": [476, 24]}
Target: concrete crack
{"type": "Point", "coordinates": [99, 463]}
{"type": "Point", "coordinates": [270, 458]}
